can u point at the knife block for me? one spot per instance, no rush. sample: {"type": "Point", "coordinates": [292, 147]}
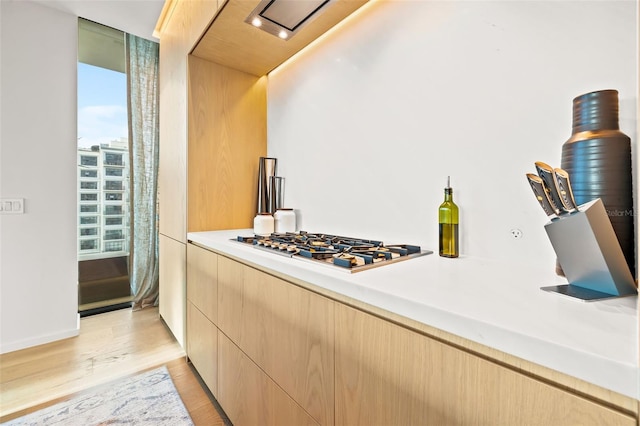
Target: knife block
{"type": "Point", "coordinates": [590, 255]}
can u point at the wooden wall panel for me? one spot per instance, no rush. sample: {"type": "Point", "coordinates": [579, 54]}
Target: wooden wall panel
{"type": "Point", "coordinates": [198, 14]}
{"type": "Point", "coordinates": [386, 374]}
{"type": "Point", "coordinates": [172, 178]}
{"type": "Point", "coordinates": [184, 23]}
{"type": "Point", "coordinates": [227, 136]}
{"type": "Point", "coordinates": [181, 27]}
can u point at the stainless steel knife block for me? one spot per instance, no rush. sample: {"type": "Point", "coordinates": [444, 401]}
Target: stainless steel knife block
{"type": "Point", "coordinates": [590, 255]}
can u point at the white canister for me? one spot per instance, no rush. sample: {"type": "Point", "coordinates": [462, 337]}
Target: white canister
{"type": "Point", "coordinates": [285, 220]}
{"type": "Point", "coordinates": [263, 224]}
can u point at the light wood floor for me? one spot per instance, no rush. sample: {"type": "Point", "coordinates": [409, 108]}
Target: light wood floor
{"type": "Point", "coordinates": [110, 346]}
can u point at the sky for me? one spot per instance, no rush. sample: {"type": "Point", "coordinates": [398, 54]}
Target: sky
{"type": "Point", "coordinates": [102, 105]}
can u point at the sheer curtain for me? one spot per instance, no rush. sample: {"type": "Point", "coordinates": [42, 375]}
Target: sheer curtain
{"type": "Point", "coordinates": [142, 100]}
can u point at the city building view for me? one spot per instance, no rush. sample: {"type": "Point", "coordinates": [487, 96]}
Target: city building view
{"type": "Point", "coordinates": [103, 200]}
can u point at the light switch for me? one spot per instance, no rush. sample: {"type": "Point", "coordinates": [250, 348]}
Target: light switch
{"type": "Point", "coordinates": [16, 206]}
{"type": "Point", "coordinates": [12, 206]}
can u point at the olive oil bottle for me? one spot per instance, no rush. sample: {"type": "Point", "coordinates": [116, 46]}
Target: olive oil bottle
{"type": "Point", "coordinates": [448, 221]}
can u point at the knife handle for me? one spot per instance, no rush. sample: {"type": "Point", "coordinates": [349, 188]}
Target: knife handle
{"type": "Point", "coordinates": [563, 183]}
{"type": "Point", "coordinates": [545, 172]}
{"type": "Point", "coordinates": [541, 194]}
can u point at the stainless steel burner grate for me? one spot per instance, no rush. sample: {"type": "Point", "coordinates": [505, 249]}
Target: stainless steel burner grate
{"type": "Point", "coordinates": [351, 254]}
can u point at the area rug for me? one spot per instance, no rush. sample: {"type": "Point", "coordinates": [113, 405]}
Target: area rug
{"type": "Point", "coordinates": [147, 399]}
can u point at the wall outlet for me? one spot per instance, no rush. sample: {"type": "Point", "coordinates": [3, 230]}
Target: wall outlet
{"type": "Point", "coordinates": [11, 205]}
{"type": "Point", "coordinates": [516, 234]}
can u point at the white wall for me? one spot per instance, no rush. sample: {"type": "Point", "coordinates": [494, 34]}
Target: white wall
{"type": "Point", "coordinates": [38, 264]}
{"type": "Point", "coordinates": [368, 123]}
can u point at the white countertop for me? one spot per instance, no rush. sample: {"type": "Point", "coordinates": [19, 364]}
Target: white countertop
{"type": "Point", "coordinates": [497, 305]}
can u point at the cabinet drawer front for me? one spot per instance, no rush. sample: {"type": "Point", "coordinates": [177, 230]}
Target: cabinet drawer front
{"type": "Point", "coordinates": [286, 330]}
{"type": "Point", "coordinates": [202, 280]}
{"type": "Point", "coordinates": [386, 374]}
{"type": "Point", "coordinates": [202, 346]}
{"type": "Point", "coordinates": [249, 396]}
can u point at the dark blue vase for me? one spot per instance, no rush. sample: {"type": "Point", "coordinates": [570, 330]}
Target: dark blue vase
{"type": "Point", "coordinates": [597, 157]}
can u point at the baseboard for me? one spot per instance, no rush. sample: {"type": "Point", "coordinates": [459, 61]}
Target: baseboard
{"type": "Point", "coordinates": [40, 340]}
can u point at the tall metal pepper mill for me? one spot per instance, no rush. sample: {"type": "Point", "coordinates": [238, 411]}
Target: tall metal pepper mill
{"type": "Point", "coordinates": [597, 156]}
{"type": "Point", "coordinates": [267, 167]}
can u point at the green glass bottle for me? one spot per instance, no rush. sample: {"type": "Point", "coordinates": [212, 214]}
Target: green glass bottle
{"type": "Point", "coordinates": [448, 220]}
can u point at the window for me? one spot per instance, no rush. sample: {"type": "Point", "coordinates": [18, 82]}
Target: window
{"type": "Point", "coordinates": [112, 159]}
{"type": "Point", "coordinates": [88, 160]}
{"type": "Point", "coordinates": [88, 244]}
{"type": "Point", "coordinates": [103, 228]}
{"type": "Point", "coordinates": [88, 231]}
{"type": "Point", "coordinates": [113, 185]}
{"type": "Point", "coordinates": [88, 197]}
{"type": "Point", "coordinates": [88, 220]}
{"type": "Point", "coordinates": [111, 221]}
{"type": "Point", "coordinates": [108, 171]}
{"type": "Point", "coordinates": [115, 234]}
{"type": "Point", "coordinates": [112, 210]}
{"type": "Point", "coordinates": [102, 142]}
{"type": "Point", "coordinates": [109, 196]}
{"type": "Point", "coordinates": [114, 246]}
{"type": "Point", "coordinates": [88, 185]}
{"type": "Point", "coordinates": [89, 173]}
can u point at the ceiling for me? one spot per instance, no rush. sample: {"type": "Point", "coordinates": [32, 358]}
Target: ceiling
{"type": "Point", "coordinates": [136, 17]}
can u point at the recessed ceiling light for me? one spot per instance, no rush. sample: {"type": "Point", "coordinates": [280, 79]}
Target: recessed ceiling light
{"type": "Point", "coordinates": [283, 35]}
{"type": "Point", "coordinates": [256, 22]}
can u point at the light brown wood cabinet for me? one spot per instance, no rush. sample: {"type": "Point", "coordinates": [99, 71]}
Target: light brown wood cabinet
{"type": "Point", "coordinates": [202, 303]}
{"type": "Point", "coordinates": [181, 19]}
{"type": "Point", "coordinates": [179, 28]}
{"type": "Point", "coordinates": [287, 355]}
{"type": "Point", "coordinates": [202, 281]}
{"type": "Point", "coordinates": [285, 330]}
{"type": "Point", "coordinates": [271, 360]}
{"type": "Point", "coordinates": [249, 396]}
{"type": "Point", "coordinates": [275, 352]}
{"type": "Point", "coordinates": [172, 290]}
{"type": "Point", "coordinates": [202, 346]}
{"type": "Point", "coordinates": [386, 374]}
{"type": "Point", "coordinates": [207, 179]}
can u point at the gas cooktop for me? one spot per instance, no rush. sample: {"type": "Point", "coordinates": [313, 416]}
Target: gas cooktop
{"type": "Point", "coordinates": [347, 253]}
